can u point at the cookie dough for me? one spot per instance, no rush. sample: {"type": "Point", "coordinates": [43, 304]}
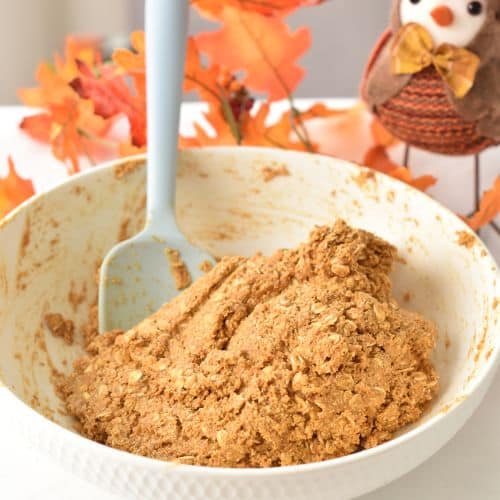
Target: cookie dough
{"type": "Point", "coordinates": [264, 362]}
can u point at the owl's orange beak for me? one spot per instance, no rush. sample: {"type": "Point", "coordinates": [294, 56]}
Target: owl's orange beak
{"type": "Point", "coordinates": [443, 16]}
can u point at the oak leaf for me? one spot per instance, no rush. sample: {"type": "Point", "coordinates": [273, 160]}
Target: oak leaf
{"type": "Point", "coordinates": [53, 78]}
{"type": "Point", "coordinates": [37, 126]}
{"type": "Point", "coordinates": [378, 159]}
{"type": "Point", "coordinates": [73, 130]}
{"type": "Point", "coordinates": [13, 189]}
{"type": "Point", "coordinates": [52, 88]}
{"type": "Point", "coordinates": [254, 129]}
{"type": "Point", "coordinates": [128, 149]}
{"type": "Point", "coordinates": [346, 134]}
{"type": "Point", "coordinates": [381, 135]}
{"type": "Point", "coordinates": [207, 81]}
{"type": "Point", "coordinates": [489, 207]}
{"type": "Point", "coordinates": [111, 96]}
{"type": "Point", "coordinates": [133, 63]}
{"type": "Point", "coordinates": [291, 129]}
{"type": "Point", "coordinates": [262, 47]}
{"type": "Point", "coordinates": [423, 182]}
{"type": "Point", "coordinates": [213, 8]}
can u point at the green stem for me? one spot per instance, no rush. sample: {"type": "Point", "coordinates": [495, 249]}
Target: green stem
{"type": "Point", "coordinates": [230, 119]}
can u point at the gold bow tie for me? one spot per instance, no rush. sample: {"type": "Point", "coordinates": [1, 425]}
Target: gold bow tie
{"type": "Point", "coordinates": [413, 50]}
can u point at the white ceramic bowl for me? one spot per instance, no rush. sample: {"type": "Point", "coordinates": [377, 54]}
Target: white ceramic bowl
{"type": "Point", "coordinates": [52, 245]}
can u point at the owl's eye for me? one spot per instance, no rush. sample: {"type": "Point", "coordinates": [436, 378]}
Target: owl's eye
{"type": "Point", "coordinates": [414, 1]}
{"type": "Point", "coordinates": [474, 8]}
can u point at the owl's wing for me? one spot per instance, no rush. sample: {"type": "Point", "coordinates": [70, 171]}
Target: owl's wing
{"type": "Point", "coordinates": [379, 83]}
{"type": "Point", "coordinates": [482, 103]}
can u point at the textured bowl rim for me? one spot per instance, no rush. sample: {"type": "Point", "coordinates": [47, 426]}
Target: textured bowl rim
{"type": "Point", "coordinates": [159, 465]}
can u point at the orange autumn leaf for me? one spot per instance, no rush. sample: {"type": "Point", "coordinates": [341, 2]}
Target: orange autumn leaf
{"type": "Point", "coordinates": [74, 130]}
{"type": "Point", "coordinates": [65, 137]}
{"type": "Point", "coordinates": [489, 207]}
{"type": "Point", "coordinates": [133, 62]}
{"type": "Point", "coordinates": [83, 48]}
{"type": "Point", "coordinates": [250, 131]}
{"type": "Point", "coordinates": [80, 48]}
{"type": "Point", "coordinates": [280, 135]}
{"type": "Point", "coordinates": [203, 138]}
{"type": "Point", "coordinates": [68, 122]}
{"type": "Point", "coordinates": [289, 132]}
{"type": "Point", "coordinates": [319, 110]}
{"type": "Point", "coordinates": [128, 149]}
{"type": "Point", "coordinates": [108, 92]}
{"type": "Point", "coordinates": [77, 50]}
{"type": "Point", "coordinates": [111, 96]}
{"type": "Point", "coordinates": [293, 116]}
{"type": "Point", "coordinates": [378, 159]}
{"type": "Point", "coordinates": [206, 81]}
{"type": "Point", "coordinates": [53, 88]}
{"type": "Point", "coordinates": [423, 182]}
{"type": "Point", "coordinates": [255, 130]}
{"type": "Point", "coordinates": [220, 134]}
{"type": "Point", "coordinates": [53, 79]}
{"type": "Point", "coordinates": [258, 133]}
{"type": "Point", "coordinates": [350, 133]}
{"type": "Point", "coordinates": [13, 189]}
{"type": "Point", "coordinates": [346, 134]}
{"type": "Point", "coordinates": [37, 126]}
{"type": "Point", "coordinates": [212, 8]}
{"type": "Point", "coordinates": [292, 127]}
{"type": "Point", "coordinates": [381, 135]}
{"type": "Point", "coordinates": [263, 47]}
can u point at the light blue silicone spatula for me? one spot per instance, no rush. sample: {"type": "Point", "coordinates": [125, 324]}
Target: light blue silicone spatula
{"type": "Point", "coordinates": [136, 276]}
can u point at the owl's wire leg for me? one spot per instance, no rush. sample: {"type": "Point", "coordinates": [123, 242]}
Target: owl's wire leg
{"type": "Point", "coordinates": [406, 158]}
{"type": "Point", "coordinates": [477, 182]}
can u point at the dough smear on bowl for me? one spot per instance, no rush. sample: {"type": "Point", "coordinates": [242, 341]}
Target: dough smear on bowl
{"type": "Point", "coordinates": [265, 361]}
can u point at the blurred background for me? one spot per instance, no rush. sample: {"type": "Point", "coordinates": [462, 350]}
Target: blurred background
{"type": "Point", "coordinates": [30, 30]}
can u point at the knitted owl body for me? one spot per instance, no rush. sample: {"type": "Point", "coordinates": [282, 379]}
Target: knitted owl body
{"type": "Point", "coordinates": [422, 115]}
{"type": "Point", "coordinates": [433, 77]}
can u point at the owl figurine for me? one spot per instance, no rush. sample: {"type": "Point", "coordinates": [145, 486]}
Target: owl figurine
{"type": "Point", "coordinates": [433, 79]}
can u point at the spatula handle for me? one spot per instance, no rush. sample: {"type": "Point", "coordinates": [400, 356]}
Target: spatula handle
{"type": "Point", "coordinates": [166, 30]}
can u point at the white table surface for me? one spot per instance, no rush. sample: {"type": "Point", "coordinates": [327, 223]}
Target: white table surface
{"type": "Point", "coordinates": [468, 468]}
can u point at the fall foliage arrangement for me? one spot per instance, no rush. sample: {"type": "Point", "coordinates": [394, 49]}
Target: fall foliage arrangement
{"type": "Point", "coordinates": [81, 97]}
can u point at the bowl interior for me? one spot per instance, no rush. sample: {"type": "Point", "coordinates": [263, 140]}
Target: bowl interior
{"type": "Point", "coordinates": [53, 245]}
